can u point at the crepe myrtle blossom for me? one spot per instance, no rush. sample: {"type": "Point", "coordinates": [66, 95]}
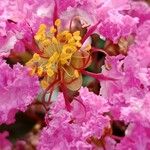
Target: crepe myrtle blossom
{"type": "Point", "coordinates": [62, 56]}
{"type": "Point", "coordinates": [58, 36]}
{"type": "Point", "coordinates": [84, 127]}
{"type": "Point", "coordinates": [17, 88]}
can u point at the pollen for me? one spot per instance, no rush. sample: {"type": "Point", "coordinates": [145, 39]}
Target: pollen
{"type": "Point", "coordinates": [76, 73]}
{"type": "Point", "coordinates": [40, 71]}
{"type": "Point", "coordinates": [52, 29]}
{"type": "Point", "coordinates": [44, 84]}
{"type": "Point", "coordinates": [58, 22]}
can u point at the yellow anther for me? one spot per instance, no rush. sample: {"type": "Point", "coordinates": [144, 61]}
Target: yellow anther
{"type": "Point", "coordinates": [42, 27]}
{"type": "Point", "coordinates": [46, 42]}
{"type": "Point", "coordinates": [58, 22]}
{"type": "Point", "coordinates": [52, 29]}
{"type": "Point", "coordinates": [66, 49]}
{"type": "Point", "coordinates": [53, 58]}
{"type": "Point", "coordinates": [76, 37]}
{"type": "Point", "coordinates": [54, 40]}
{"type": "Point", "coordinates": [40, 35]}
{"type": "Point", "coordinates": [44, 84]}
{"type": "Point", "coordinates": [33, 70]}
{"type": "Point", "coordinates": [68, 36]}
{"type": "Point", "coordinates": [64, 32]}
{"type": "Point", "coordinates": [76, 73]}
{"type": "Point", "coordinates": [67, 53]}
{"type": "Point", "coordinates": [76, 33]}
{"type": "Point", "coordinates": [40, 71]}
{"type": "Point", "coordinates": [36, 57]}
{"type": "Point", "coordinates": [50, 72]}
{"type": "Point", "coordinates": [37, 37]}
{"type": "Point", "coordinates": [64, 58]}
{"type": "Point", "coordinates": [72, 40]}
{"type": "Point", "coordinates": [78, 44]}
{"type": "Point", "coordinates": [69, 49]}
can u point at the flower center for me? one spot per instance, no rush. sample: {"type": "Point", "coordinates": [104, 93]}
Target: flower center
{"type": "Point", "coordinates": [57, 48]}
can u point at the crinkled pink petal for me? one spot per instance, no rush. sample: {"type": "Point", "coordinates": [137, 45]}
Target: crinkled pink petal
{"type": "Point", "coordinates": [71, 130]}
{"type": "Point", "coordinates": [17, 88]}
{"type": "Point", "coordinates": [113, 29]}
{"type": "Point", "coordinates": [141, 10]}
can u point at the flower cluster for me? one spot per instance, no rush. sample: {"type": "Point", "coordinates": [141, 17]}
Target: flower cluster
{"type": "Point", "coordinates": [94, 55]}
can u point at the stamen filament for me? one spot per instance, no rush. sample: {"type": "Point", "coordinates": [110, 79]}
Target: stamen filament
{"type": "Point", "coordinates": [90, 31]}
{"type": "Point", "coordinates": [97, 76]}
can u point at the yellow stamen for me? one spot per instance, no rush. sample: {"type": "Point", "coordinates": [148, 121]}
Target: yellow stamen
{"type": "Point", "coordinates": [36, 57]}
{"type": "Point", "coordinates": [78, 38]}
{"type": "Point", "coordinates": [50, 72]}
{"type": "Point", "coordinates": [58, 22]}
{"type": "Point", "coordinates": [76, 33]}
{"type": "Point", "coordinates": [52, 29]}
{"type": "Point", "coordinates": [40, 35]}
{"type": "Point", "coordinates": [40, 71]}
{"type": "Point", "coordinates": [54, 40]}
{"type": "Point", "coordinates": [33, 70]}
{"type": "Point", "coordinates": [76, 73]}
{"type": "Point", "coordinates": [57, 51]}
{"type": "Point", "coordinates": [44, 84]}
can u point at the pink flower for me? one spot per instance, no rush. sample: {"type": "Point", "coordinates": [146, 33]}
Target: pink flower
{"type": "Point", "coordinates": [7, 43]}
{"type": "Point", "coordinates": [129, 93]}
{"type": "Point", "coordinates": [88, 104]}
{"type": "Point", "coordinates": [137, 110]}
{"type": "Point", "coordinates": [60, 134]}
{"type": "Point", "coordinates": [71, 130]}
{"type": "Point", "coordinates": [17, 88]}
{"type": "Point", "coordinates": [137, 138]}
{"type": "Point", "coordinates": [5, 143]}
{"type": "Point", "coordinates": [139, 9]}
{"type": "Point", "coordinates": [63, 5]}
{"type": "Point", "coordinates": [107, 7]}
{"type": "Point", "coordinates": [113, 29]}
